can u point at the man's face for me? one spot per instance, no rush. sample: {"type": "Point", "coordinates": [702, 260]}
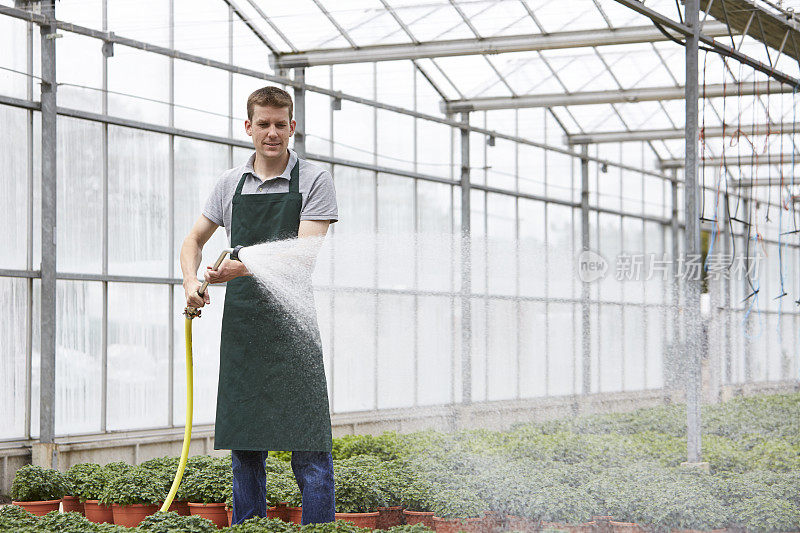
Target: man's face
{"type": "Point", "coordinates": [270, 129]}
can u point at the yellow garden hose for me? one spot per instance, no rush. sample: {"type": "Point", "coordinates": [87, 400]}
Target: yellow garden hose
{"type": "Point", "coordinates": [187, 434]}
{"type": "Point", "coordinates": [191, 313]}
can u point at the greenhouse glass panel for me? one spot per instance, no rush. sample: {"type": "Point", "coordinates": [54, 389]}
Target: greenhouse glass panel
{"type": "Point", "coordinates": [610, 363]}
{"type": "Point", "coordinates": [479, 350]}
{"type": "Point", "coordinates": [79, 63]}
{"type": "Point", "coordinates": [434, 350]}
{"type": "Point", "coordinates": [610, 248]}
{"type": "Point", "coordinates": [353, 249]}
{"type": "Point", "coordinates": [560, 349]}
{"type": "Point", "coordinates": [354, 133]}
{"type": "Point", "coordinates": [397, 357]}
{"type": "Point", "coordinates": [633, 262]}
{"type": "Point", "coordinates": [478, 240]}
{"type": "Point", "coordinates": [433, 150]}
{"type": "Point", "coordinates": [201, 28]}
{"type": "Point", "coordinates": [531, 170]}
{"type": "Point", "coordinates": [354, 349]}
{"type": "Point", "coordinates": [13, 349]}
{"type": "Point", "coordinates": [501, 351]}
{"type": "Point", "coordinates": [437, 246]}
{"type": "Point", "coordinates": [634, 370]}
{"type": "Point", "coordinates": [138, 355]}
{"type": "Point", "coordinates": [36, 357]}
{"type": "Point", "coordinates": [138, 202]}
{"type": "Point", "coordinates": [14, 187]}
{"type": "Point", "coordinates": [532, 248]}
{"type": "Point", "coordinates": [656, 343]}
{"type": "Point", "coordinates": [14, 56]}
{"type": "Point", "coordinates": [143, 20]}
{"type": "Point", "coordinates": [561, 268]}
{"type": "Point", "coordinates": [206, 110]}
{"type": "Point", "coordinates": [501, 162]}
{"type": "Point", "coordinates": [198, 165]}
{"type": "Point", "coordinates": [324, 304]}
{"type": "Point", "coordinates": [501, 253]}
{"type": "Point", "coordinates": [206, 333]}
{"type": "Point", "coordinates": [560, 182]}
{"type": "Point", "coordinates": [533, 349]}
{"type": "Point", "coordinates": [138, 84]}
{"type": "Point", "coordinates": [318, 124]}
{"type": "Point", "coordinates": [394, 82]}
{"type": "Point", "coordinates": [395, 241]}
{"type": "Point", "coordinates": [395, 138]}
{"type": "Point", "coordinates": [79, 325]}
{"type": "Point", "coordinates": [80, 183]}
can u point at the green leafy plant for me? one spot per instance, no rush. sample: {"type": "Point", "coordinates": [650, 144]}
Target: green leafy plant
{"type": "Point", "coordinates": [357, 489]}
{"type": "Point", "coordinates": [170, 522]}
{"type": "Point", "coordinates": [12, 516]}
{"type": "Point", "coordinates": [409, 528]}
{"type": "Point", "coordinates": [133, 486]}
{"type": "Point", "coordinates": [282, 488]}
{"type": "Point", "coordinates": [261, 525]}
{"type": "Point", "coordinates": [334, 527]}
{"type": "Point", "coordinates": [86, 481]}
{"type": "Point", "coordinates": [208, 485]}
{"type": "Point", "coordinates": [34, 483]}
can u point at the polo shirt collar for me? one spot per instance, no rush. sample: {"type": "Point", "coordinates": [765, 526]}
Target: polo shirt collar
{"type": "Point", "coordinates": [286, 174]}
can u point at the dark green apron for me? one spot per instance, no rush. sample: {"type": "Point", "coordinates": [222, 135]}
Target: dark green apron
{"type": "Point", "coordinates": [272, 392]}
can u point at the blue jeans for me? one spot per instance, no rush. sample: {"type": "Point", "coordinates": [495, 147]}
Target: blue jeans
{"type": "Point", "coordinates": [313, 472]}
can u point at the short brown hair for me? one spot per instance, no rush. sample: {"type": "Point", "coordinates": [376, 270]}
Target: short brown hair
{"type": "Point", "coordinates": [269, 96]}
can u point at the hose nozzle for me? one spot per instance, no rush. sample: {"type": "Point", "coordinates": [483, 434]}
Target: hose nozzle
{"type": "Point", "coordinates": [192, 312]}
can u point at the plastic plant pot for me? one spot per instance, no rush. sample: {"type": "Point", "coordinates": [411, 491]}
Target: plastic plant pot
{"type": "Point", "coordinates": [367, 520]}
{"type": "Point", "coordinates": [39, 508]}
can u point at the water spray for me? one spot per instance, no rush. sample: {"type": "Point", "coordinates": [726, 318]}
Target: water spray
{"type": "Point", "coordinates": [191, 313]}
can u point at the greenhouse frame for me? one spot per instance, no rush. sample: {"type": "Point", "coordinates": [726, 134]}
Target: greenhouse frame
{"type": "Point", "coordinates": [477, 147]}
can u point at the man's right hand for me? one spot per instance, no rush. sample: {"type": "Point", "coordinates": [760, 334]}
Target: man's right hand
{"type": "Point", "coordinates": [193, 299]}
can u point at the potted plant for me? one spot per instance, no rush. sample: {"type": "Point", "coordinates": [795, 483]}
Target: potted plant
{"type": "Point", "coordinates": [13, 517]}
{"type": "Point", "coordinates": [170, 522]}
{"type": "Point", "coordinates": [133, 495]}
{"type": "Point", "coordinates": [207, 490]}
{"type": "Point", "coordinates": [90, 480]}
{"type": "Point", "coordinates": [394, 477]}
{"type": "Point", "coordinates": [416, 500]}
{"type": "Point", "coordinates": [38, 490]}
{"type": "Point", "coordinates": [458, 510]}
{"type": "Point", "coordinates": [282, 489]}
{"type": "Point", "coordinates": [358, 495]}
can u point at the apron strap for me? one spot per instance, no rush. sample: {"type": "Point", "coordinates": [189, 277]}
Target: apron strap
{"type": "Point", "coordinates": [294, 182]}
{"type": "Point", "coordinates": [239, 187]}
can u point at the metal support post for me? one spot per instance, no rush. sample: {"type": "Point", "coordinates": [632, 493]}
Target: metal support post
{"type": "Point", "coordinates": [48, 267]}
{"type": "Point", "coordinates": [586, 339]}
{"type": "Point", "coordinates": [466, 268]}
{"type": "Point", "coordinates": [692, 317]}
{"type": "Point", "coordinates": [300, 112]}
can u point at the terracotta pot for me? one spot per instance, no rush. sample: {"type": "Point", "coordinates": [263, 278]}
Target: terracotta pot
{"type": "Point", "coordinates": [626, 527]}
{"type": "Point", "coordinates": [280, 511]}
{"type": "Point", "coordinates": [492, 521]}
{"type": "Point", "coordinates": [419, 517]}
{"type": "Point", "coordinates": [454, 525]}
{"type": "Point", "coordinates": [213, 511]}
{"type": "Point", "coordinates": [178, 506]}
{"type": "Point", "coordinates": [390, 516]}
{"type": "Point", "coordinates": [98, 513]}
{"type": "Point", "coordinates": [588, 527]}
{"type": "Point", "coordinates": [132, 515]}
{"type": "Point", "coordinates": [230, 514]}
{"type": "Point", "coordinates": [72, 504]}
{"type": "Point", "coordinates": [39, 508]}
{"type": "Point", "coordinates": [519, 523]}
{"type": "Point", "coordinates": [368, 520]}
{"type": "Point", "coordinates": [294, 514]}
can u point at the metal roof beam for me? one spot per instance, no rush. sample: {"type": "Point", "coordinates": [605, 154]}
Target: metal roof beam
{"type": "Point", "coordinates": [488, 45]}
{"type": "Point", "coordinates": [598, 137]}
{"type": "Point", "coordinates": [736, 160]}
{"type": "Point", "coordinates": [608, 97]}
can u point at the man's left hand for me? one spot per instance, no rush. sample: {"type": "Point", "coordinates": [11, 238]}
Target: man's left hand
{"type": "Point", "coordinates": [227, 271]}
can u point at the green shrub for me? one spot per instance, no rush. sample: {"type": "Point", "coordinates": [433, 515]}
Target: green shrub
{"type": "Point", "coordinates": [170, 522]}
{"type": "Point", "coordinates": [34, 483]}
{"type": "Point", "coordinates": [282, 488]}
{"type": "Point", "coordinates": [86, 481]}
{"type": "Point", "coordinates": [211, 484]}
{"type": "Point", "coordinates": [12, 516]}
{"type": "Point", "coordinates": [339, 526]}
{"type": "Point", "coordinates": [357, 489]}
{"type": "Point", "coordinates": [133, 486]}
{"type": "Point", "coordinates": [464, 503]}
{"type": "Point", "coordinates": [261, 525]}
{"type": "Point", "coordinates": [409, 528]}
{"type": "Point", "coordinates": [384, 447]}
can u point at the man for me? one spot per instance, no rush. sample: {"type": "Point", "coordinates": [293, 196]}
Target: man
{"type": "Point", "coordinates": [272, 391]}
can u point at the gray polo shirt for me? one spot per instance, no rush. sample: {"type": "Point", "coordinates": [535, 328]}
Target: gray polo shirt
{"type": "Point", "coordinates": [316, 188]}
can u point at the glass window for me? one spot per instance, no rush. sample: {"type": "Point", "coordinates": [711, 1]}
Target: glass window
{"type": "Point", "coordinates": [138, 202]}
{"type": "Point", "coordinates": [501, 355]}
{"type": "Point", "coordinates": [13, 348]}
{"type": "Point", "coordinates": [80, 196]}
{"type": "Point", "coordinates": [353, 239]}
{"type": "Point", "coordinates": [501, 257]}
{"type": "Point", "coordinates": [79, 325]}
{"type": "Point", "coordinates": [434, 349]}
{"type": "Point", "coordinates": [397, 358]}
{"type": "Point", "coordinates": [14, 159]}
{"type": "Point", "coordinates": [138, 362]}
{"type": "Point", "coordinates": [354, 352]}
{"type": "Point", "coordinates": [396, 247]}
